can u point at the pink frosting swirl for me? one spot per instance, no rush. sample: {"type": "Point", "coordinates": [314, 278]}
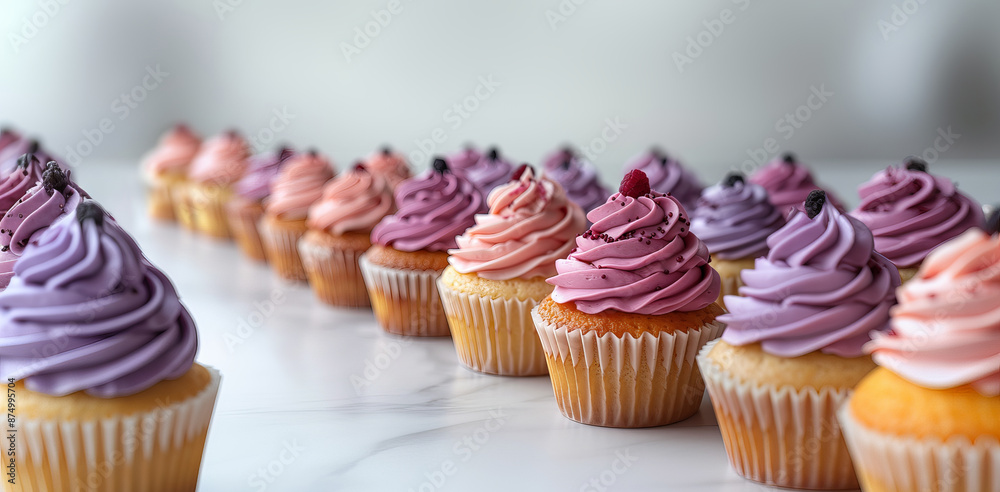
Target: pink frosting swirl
{"type": "Point", "coordinates": [299, 184]}
{"type": "Point", "coordinates": [221, 160]}
{"type": "Point", "coordinates": [639, 257]}
{"type": "Point", "coordinates": [354, 202]}
{"type": "Point", "coordinates": [175, 150]}
{"type": "Point", "coordinates": [531, 224]}
{"type": "Point", "coordinates": [946, 328]}
{"type": "Point", "coordinates": [911, 212]}
{"type": "Point", "coordinates": [390, 165]}
{"type": "Point", "coordinates": [788, 183]}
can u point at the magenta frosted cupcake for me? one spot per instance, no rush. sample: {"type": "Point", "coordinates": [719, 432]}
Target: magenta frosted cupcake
{"type": "Point", "coordinates": [246, 208]}
{"type": "Point", "coordinates": [911, 211]}
{"type": "Point", "coordinates": [11, 155]}
{"type": "Point", "coordinates": [667, 175]}
{"type": "Point", "coordinates": [788, 183]}
{"type": "Point", "coordinates": [577, 176]}
{"type": "Point", "coordinates": [26, 174]}
{"type": "Point", "coordinates": [463, 160]}
{"type": "Point", "coordinates": [8, 136]}
{"type": "Point", "coordinates": [165, 169]}
{"type": "Point", "coordinates": [219, 164]}
{"type": "Point", "coordinates": [410, 250]}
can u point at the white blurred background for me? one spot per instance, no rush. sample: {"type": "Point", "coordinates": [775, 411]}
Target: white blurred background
{"type": "Point", "coordinates": [708, 81]}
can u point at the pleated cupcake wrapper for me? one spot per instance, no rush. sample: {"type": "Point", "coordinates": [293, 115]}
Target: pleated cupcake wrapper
{"type": "Point", "coordinates": [208, 210]}
{"type": "Point", "coordinates": [158, 450]}
{"type": "Point", "coordinates": [243, 225]}
{"type": "Point", "coordinates": [780, 436]}
{"type": "Point", "coordinates": [181, 196]}
{"type": "Point", "coordinates": [334, 275]}
{"type": "Point", "coordinates": [161, 202]}
{"type": "Point", "coordinates": [616, 381]}
{"type": "Point", "coordinates": [494, 336]}
{"type": "Point", "coordinates": [406, 302]}
{"type": "Point", "coordinates": [887, 462]}
{"type": "Point", "coordinates": [281, 247]}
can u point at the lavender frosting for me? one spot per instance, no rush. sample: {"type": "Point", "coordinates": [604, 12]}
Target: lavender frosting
{"type": "Point", "coordinates": [460, 162]}
{"type": "Point", "coordinates": [821, 287]}
{"type": "Point", "coordinates": [490, 171]}
{"type": "Point", "coordinates": [15, 184]}
{"type": "Point", "coordinates": [10, 155]}
{"type": "Point", "coordinates": [433, 209]}
{"type": "Point", "coordinates": [578, 177]}
{"type": "Point", "coordinates": [734, 219]}
{"type": "Point", "coordinates": [87, 312]}
{"type": "Point", "coordinates": [8, 137]}
{"type": "Point", "coordinates": [262, 169]}
{"type": "Point", "coordinates": [667, 175]}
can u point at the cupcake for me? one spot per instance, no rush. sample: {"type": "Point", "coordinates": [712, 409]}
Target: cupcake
{"type": "Point", "coordinates": [220, 162]}
{"type": "Point", "coordinates": [8, 137]}
{"type": "Point", "coordinates": [460, 162]}
{"type": "Point", "coordinates": [911, 211]}
{"type": "Point", "coordinates": [44, 204]}
{"type": "Point", "coordinates": [792, 349]}
{"type": "Point", "coordinates": [668, 175]}
{"type": "Point", "coordinates": [577, 176]}
{"type": "Point", "coordinates": [100, 354]}
{"type": "Point", "coordinates": [410, 250]}
{"type": "Point", "coordinates": [11, 155]}
{"type": "Point", "coordinates": [632, 305]}
{"type": "Point", "coordinates": [490, 171]}
{"type": "Point", "coordinates": [25, 175]}
{"type": "Point", "coordinates": [734, 219]}
{"type": "Point", "coordinates": [246, 208]}
{"type": "Point", "coordinates": [993, 221]}
{"type": "Point", "coordinates": [165, 169]}
{"type": "Point", "coordinates": [298, 185]}
{"type": "Point", "coordinates": [390, 165]}
{"type": "Point", "coordinates": [928, 418]}
{"type": "Point", "coordinates": [339, 232]}
{"type": "Point", "coordinates": [788, 183]}
{"type": "Point", "coordinates": [497, 274]}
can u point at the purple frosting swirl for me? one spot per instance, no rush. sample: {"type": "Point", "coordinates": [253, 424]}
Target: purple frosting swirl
{"type": "Point", "coordinates": [14, 185]}
{"type": "Point", "coordinates": [821, 287]}
{"type": "Point", "coordinates": [433, 209]}
{"type": "Point", "coordinates": [8, 137]}
{"type": "Point", "coordinates": [87, 312]}
{"type": "Point", "coordinates": [911, 212]}
{"type": "Point", "coordinates": [10, 155]}
{"type": "Point", "coordinates": [735, 220]}
{"type": "Point", "coordinates": [460, 162]}
{"type": "Point", "coordinates": [578, 177]}
{"type": "Point", "coordinates": [668, 175]}
{"type": "Point", "coordinates": [262, 169]}
{"type": "Point", "coordinates": [788, 182]}
{"type": "Point", "coordinates": [490, 171]}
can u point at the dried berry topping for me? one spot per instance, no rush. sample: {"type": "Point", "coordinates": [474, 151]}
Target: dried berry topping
{"type": "Point", "coordinates": [441, 165]}
{"type": "Point", "coordinates": [732, 179]}
{"type": "Point", "coordinates": [564, 164]}
{"type": "Point", "coordinates": [634, 184]}
{"type": "Point", "coordinates": [386, 150]}
{"type": "Point", "coordinates": [359, 167]}
{"type": "Point", "coordinates": [788, 158]}
{"type": "Point", "coordinates": [90, 210]}
{"type": "Point", "coordinates": [26, 160]}
{"type": "Point", "coordinates": [493, 154]}
{"type": "Point", "coordinates": [54, 179]}
{"type": "Point", "coordinates": [916, 164]}
{"type": "Point", "coordinates": [520, 171]}
{"type": "Point", "coordinates": [993, 222]}
{"type": "Point", "coordinates": [814, 202]}
{"type": "Point", "coordinates": [285, 153]}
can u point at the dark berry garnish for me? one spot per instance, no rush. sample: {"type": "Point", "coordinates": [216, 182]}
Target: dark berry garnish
{"type": "Point", "coordinates": [916, 164]}
{"type": "Point", "coordinates": [993, 222]}
{"type": "Point", "coordinates": [232, 133]}
{"type": "Point", "coordinates": [54, 179]}
{"type": "Point", "coordinates": [90, 210]}
{"type": "Point", "coordinates": [520, 170]}
{"type": "Point", "coordinates": [814, 202]}
{"type": "Point", "coordinates": [359, 167]}
{"type": "Point", "coordinates": [441, 165]}
{"type": "Point", "coordinates": [493, 154]}
{"type": "Point", "coordinates": [386, 150]}
{"type": "Point", "coordinates": [26, 161]}
{"type": "Point", "coordinates": [564, 164]}
{"type": "Point", "coordinates": [732, 179]}
{"type": "Point", "coordinates": [285, 153]}
{"type": "Point", "coordinates": [658, 153]}
{"type": "Point", "coordinates": [788, 158]}
{"type": "Point", "coordinates": [634, 184]}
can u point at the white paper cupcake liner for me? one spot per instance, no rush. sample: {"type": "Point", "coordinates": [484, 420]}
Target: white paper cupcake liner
{"type": "Point", "coordinates": [730, 287]}
{"type": "Point", "coordinates": [780, 436]}
{"type": "Point", "coordinates": [158, 450]}
{"type": "Point", "coordinates": [623, 393]}
{"type": "Point", "coordinates": [334, 274]}
{"type": "Point", "coordinates": [406, 302]}
{"type": "Point", "coordinates": [281, 247]}
{"type": "Point", "coordinates": [887, 462]}
{"type": "Point", "coordinates": [494, 336]}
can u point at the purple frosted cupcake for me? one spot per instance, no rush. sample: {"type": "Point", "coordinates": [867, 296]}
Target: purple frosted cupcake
{"type": "Point", "coordinates": [788, 182]}
{"type": "Point", "coordinates": [26, 174]}
{"type": "Point", "coordinates": [577, 176]}
{"type": "Point", "coordinates": [8, 137]}
{"type": "Point", "coordinates": [667, 175]}
{"type": "Point", "coordinates": [490, 171]}
{"type": "Point", "coordinates": [11, 154]}
{"type": "Point", "coordinates": [460, 162]}
{"type": "Point", "coordinates": [246, 208]}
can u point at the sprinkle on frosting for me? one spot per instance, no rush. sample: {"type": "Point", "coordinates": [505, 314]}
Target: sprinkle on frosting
{"type": "Point", "coordinates": [668, 175]}
{"type": "Point", "coordinates": [946, 328]}
{"type": "Point", "coordinates": [734, 219]}
{"type": "Point", "coordinates": [298, 185]}
{"type": "Point", "coordinates": [788, 183]}
{"type": "Point", "coordinates": [353, 202]}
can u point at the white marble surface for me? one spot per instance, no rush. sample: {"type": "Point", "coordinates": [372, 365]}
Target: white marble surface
{"type": "Point", "coordinates": [318, 398]}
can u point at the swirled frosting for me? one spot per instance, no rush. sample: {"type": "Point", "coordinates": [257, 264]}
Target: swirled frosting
{"type": "Point", "coordinates": [354, 202]}
{"type": "Point", "coordinates": [946, 327]}
{"type": "Point", "coordinates": [8, 137]}
{"type": "Point", "coordinates": [15, 184]}
{"type": "Point", "coordinates": [87, 312]}
{"type": "Point", "coordinates": [911, 212]}
{"type": "Point", "coordinates": [460, 162]}
{"type": "Point", "coordinates": [298, 185]}
{"type": "Point", "coordinates": [10, 156]}
{"type": "Point", "coordinates": [434, 208]}
{"type": "Point", "coordinates": [668, 175]}
{"type": "Point", "coordinates": [639, 257]}
{"type": "Point", "coordinates": [390, 165]}
{"type": "Point", "coordinates": [578, 177]}
{"type": "Point", "coordinates": [490, 171]}
{"type": "Point", "coordinates": [262, 170]}
{"type": "Point", "coordinates": [734, 219]}
{"type": "Point", "coordinates": [531, 224]}
{"type": "Point", "coordinates": [788, 183]}
{"type": "Point", "coordinates": [221, 160]}
{"type": "Point", "coordinates": [821, 287]}
{"type": "Point", "coordinates": [173, 153]}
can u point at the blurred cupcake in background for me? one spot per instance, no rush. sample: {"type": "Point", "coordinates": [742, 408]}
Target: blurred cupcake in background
{"type": "Point", "coordinates": [101, 354]}
{"type": "Point", "coordinates": [339, 232]}
{"type": "Point", "coordinates": [11, 154]}
{"type": "Point", "coordinates": [246, 208]}
{"type": "Point", "coordinates": [993, 220]}
{"type": "Point", "coordinates": [734, 219]}
{"type": "Point", "coordinates": [165, 169]}
{"type": "Point", "coordinates": [490, 171]}
{"type": "Point", "coordinates": [928, 418]}
{"type": "Point", "coordinates": [463, 160]}
{"type": "Point", "coordinates": [8, 137]}
{"type": "Point", "coordinates": [497, 274]}
{"type": "Point", "coordinates": [390, 165]}
{"type": "Point", "coordinates": [632, 305]}
{"type": "Point", "coordinates": [27, 172]}
{"type": "Point", "coordinates": [577, 176]}
{"type": "Point", "coordinates": [788, 183]}
{"type": "Point", "coordinates": [220, 162]}
{"type": "Point", "coordinates": [667, 175]}
{"type": "Point", "coordinates": [792, 349]}
{"type": "Point", "coordinates": [299, 184]}
{"type": "Point", "coordinates": [410, 250]}
{"type": "Point", "coordinates": [911, 211]}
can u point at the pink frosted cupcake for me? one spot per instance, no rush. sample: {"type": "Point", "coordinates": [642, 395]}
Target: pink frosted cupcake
{"type": "Point", "coordinates": [27, 172]}
{"type": "Point", "coordinates": [165, 169]}
{"type": "Point", "coordinates": [220, 162]}
{"type": "Point", "coordinates": [788, 183]}
{"type": "Point", "coordinates": [246, 209]}
{"type": "Point", "coordinates": [390, 165]}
